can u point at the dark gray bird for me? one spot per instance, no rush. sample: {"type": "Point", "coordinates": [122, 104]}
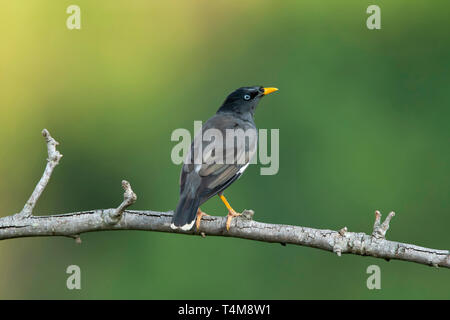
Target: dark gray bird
{"type": "Point", "coordinates": [218, 156]}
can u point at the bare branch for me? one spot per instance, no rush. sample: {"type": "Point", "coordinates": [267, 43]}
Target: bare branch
{"type": "Point", "coordinates": [52, 161]}
{"type": "Point", "coordinates": [329, 240]}
{"type": "Point", "coordinates": [24, 224]}
{"type": "Point", "coordinates": [380, 229]}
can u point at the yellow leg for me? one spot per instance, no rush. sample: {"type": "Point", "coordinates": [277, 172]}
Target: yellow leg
{"type": "Point", "coordinates": [231, 212]}
{"type": "Point", "coordinates": [200, 214]}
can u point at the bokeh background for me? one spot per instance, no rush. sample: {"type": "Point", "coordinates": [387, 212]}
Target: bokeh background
{"type": "Point", "coordinates": [363, 118]}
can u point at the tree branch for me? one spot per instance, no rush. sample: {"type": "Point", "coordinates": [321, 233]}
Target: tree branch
{"type": "Point", "coordinates": [24, 224]}
{"type": "Point", "coordinates": [52, 161]}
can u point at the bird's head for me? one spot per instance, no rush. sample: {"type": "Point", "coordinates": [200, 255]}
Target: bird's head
{"type": "Point", "coordinates": [244, 100]}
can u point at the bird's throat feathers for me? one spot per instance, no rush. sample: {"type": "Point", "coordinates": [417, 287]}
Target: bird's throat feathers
{"type": "Point", "coordinates": [236, 110]}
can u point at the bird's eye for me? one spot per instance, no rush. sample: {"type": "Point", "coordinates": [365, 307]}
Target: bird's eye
{"type": "Point", "coordinates": [247, 97]}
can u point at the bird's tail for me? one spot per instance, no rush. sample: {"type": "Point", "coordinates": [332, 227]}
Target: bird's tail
{"type": "Point", "coordinates": [185, 213]}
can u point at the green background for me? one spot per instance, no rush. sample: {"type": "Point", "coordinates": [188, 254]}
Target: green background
{"type": "Point", "coordinates": [363, 118]}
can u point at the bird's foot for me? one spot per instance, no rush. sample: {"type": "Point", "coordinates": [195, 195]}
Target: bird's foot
{"type": "Point", "coordinates": [230, 216]}
{"type": "Point", "coordinates": [200, 214]}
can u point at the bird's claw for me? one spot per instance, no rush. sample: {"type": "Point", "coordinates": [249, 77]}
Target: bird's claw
{"type": "Point", "coordinates": [200, 215]}
{"type": "Point", "coordinates": [230, 216]}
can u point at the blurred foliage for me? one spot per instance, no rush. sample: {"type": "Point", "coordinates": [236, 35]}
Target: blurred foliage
{"type": "Point", "coordinates": [363, 118]}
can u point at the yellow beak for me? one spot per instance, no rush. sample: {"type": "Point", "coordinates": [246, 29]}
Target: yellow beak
{"type": "Point", "coordinates": [269, 90]}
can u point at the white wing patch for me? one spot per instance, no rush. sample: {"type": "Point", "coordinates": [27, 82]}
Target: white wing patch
{"type": "Point", "coordinates": [241, 170]}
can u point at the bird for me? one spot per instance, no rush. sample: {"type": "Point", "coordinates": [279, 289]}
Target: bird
{"type": "Point", "coordinates": [218, 167]}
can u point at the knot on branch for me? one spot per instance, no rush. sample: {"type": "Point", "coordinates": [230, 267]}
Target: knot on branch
{"type": "Point", "coordinates": [113, 216]}
{"type": "Point", "coordinates": [248, 214]}
{"type": "Point", "coordinates": [53, 154]}
{"type": "Point", "coordinates": [380, 229]}
{"type": "Point", "coordinates": [76, 237]}
{"type": "Point", "coordinates": [340, 244]}
{"type": "Point", "coordinates": [343, 231]}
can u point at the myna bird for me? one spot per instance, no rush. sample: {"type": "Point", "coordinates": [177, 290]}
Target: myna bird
{"type": "Point", "coordinates": [202, 179]}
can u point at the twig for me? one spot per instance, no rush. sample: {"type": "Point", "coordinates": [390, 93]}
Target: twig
{"type": "Point", "coordinates": [380, 229]}
{"type": "Point", "coordinates": [52, 161]}
{"type": "Point", "coordinates": [112, 216]}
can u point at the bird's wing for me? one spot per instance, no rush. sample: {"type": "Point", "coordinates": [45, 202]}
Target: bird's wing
{"type": "Point", "coordinates": [223, 163]}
